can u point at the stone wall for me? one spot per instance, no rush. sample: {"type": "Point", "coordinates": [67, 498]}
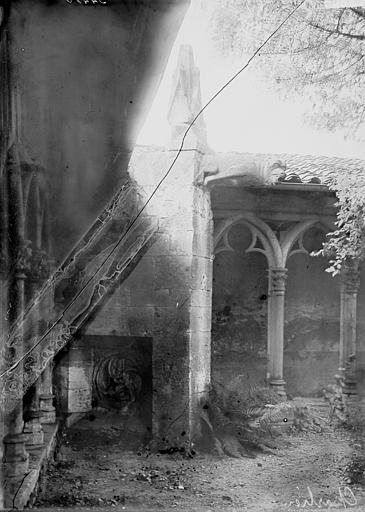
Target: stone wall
{"type": "Point", "coordinates": [239, 340]}
{"type": "Point", "coordinates": [167, 298]}
{"type": "Point", "coordinates": [312, 325]}
{"type": "Point", "coordinates": [89, 372]}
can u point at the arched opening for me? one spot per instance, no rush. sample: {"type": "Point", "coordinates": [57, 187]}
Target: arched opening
{"type": "Point", "coordinates": [239, 312]}
{"type": "Point", "coordinates": [312, 320]}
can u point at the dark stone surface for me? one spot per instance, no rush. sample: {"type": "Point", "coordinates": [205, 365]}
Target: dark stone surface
{"type": "Point", "coordinates": [86, 77]}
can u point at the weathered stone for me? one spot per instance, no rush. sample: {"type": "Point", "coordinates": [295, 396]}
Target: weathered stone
{"type": "Point", "coordinates": [16, 459]}
{"type": "Point", "coordinates": [142, 284]}
{"type": "Point", "coordinates": [164, 297]}
{"type": "Point", "coordinates": [169, 294]}
{"type": "Point", "coordinates": [33, 430]}
{"type": "Point", "coordinates": [202, 273]}
{"type": "Point", "coordinates": [48, 411]}
{"type": "Point", "coordinates": [123, 295]}
{"type": "Point", "coordinates": [201, 318]}
{"type": "Point", "coordinates": [79, 377]}
{"type": "Point", "coordinates": [78, 400]}
{"type": "Point", "coordinates": [180, 221]}
{"type": "Point", "coordinates": [170, 320]}
{"type": "Point", "coordinates": [138, 320]}
{"type": "Point", "coordinates": [181, 242]}
{"type": "Point", "coordinates": [160, 247]}
{"type": "Point", "coordinates": [173, 272]}
{"type": "Point", "coordinates": [200, 298]}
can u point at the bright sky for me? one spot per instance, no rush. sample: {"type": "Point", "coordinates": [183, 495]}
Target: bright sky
{"type": "Point", "coordinates": [245, 117]}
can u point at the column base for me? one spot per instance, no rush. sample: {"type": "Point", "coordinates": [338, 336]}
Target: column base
{"type": "Point", "coordinates": [16, 458]}
{"type": "Point", "coordinates": [278, 385]}
{"type": "Point", "coordinates": [48, 411]}
{"type": "Point", "coordinates": [33, 430]}
{"type": "Point", "coordinates": [350, 386]}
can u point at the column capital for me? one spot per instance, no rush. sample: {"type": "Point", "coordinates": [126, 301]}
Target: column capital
{"type": "Point", "coordinates": [39, 266]}
{"type": "Point", "coordinates": [350, 279]}
{"type": "Point", "coordinates": [278, 276]}
{"type": "Point", "coordinates": [22, 261]}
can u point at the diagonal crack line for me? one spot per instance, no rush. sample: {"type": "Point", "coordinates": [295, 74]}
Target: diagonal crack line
{"type": "Point", "coordinates": [179, 151]}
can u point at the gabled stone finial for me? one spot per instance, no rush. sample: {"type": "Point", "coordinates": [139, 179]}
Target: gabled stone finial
{"type": "Point", "coordinates": [186, 101]}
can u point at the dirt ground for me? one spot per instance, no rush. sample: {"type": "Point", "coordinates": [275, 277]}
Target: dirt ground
{"type": "Point", "coordinates": [100, 466]}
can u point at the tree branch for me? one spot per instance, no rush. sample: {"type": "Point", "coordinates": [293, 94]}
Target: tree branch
{"type": "Point", "coordinates": [359, 37]}
{"type": "Point", "coordinates": [358, 11]}
{"type": "Point", "coordinates": [339, 19]}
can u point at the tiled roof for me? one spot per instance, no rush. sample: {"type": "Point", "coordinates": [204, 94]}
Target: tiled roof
{"type": "Point", "coordinates": [284, 168]}
{"type": "Point", "coordinates": [267, 168]}
{"type": "Point", "coordinates": [318, 169]}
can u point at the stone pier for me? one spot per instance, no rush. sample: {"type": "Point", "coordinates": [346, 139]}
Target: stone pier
{"type": "Point", "coordinates": [275, 328]}
{"type": "Point", "coordinates": [350, 282]}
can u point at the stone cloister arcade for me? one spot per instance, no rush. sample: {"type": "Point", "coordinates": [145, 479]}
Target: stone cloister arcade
{"type": "Point", "coordinates": [26, 264]}
{"type": "Point", "coordinates": [278, 238]}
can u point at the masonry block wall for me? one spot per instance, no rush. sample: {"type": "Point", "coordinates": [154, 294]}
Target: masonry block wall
{"type": "Point", "coordinates": [73, 381]}
{"type": "Point", "coordinates": [168, 297]}
{"type": "Point", "coordinates": [312, 326]}
{"type": "Point", "coordinates": [239, 340]}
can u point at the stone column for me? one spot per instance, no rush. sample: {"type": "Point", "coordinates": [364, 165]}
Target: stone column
{"type": "Point", "coordinates": [350, 281]}
{"type": "Point", "coordinates": [4, 305]}
{"type": "Point", "coordinates": [33, 428]}
{"type": "Point", "coordinates": [183, 262]}
{"type": "Point", "coordinates": [182, 313]}
{"type": "Point", "coordinates": [48, 411]}
{"type": "Point", "coordinates": [275, 328]}
{"type": "Point", "coordinates": [16, 459]}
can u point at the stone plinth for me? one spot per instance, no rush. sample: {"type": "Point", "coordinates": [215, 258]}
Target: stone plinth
{"type": "Point", "coordinates": [48, 411]}
{"type": "Point", "coordinates": [16, 459]}
{"type": "Point", "coordinates": [33, 430]}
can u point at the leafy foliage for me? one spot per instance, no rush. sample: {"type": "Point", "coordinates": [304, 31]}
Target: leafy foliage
{"type": "Point", "coordinates": [340, 414]}
{"type": "Point", "coordinates": [307, 421]}
{"type": "Point", "coordinates": [347, 242]}
{"type": "Point", "coordinates": [350, 415]}
{"type": "Point", "coordinates": [243, 421]}
{"type": "Point", "coordinates": [318, 54]}
{"type": "Point", "coordinates": [333, 394]}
